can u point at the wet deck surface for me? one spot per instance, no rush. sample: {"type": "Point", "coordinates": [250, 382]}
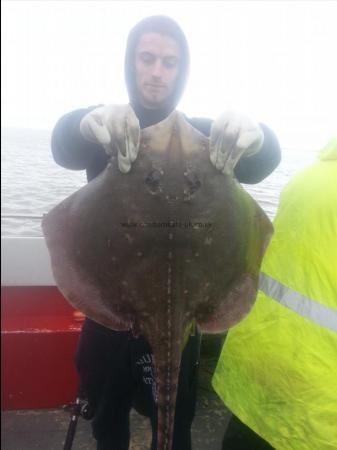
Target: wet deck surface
{"type": "Point", "coordinates": [46, 429]}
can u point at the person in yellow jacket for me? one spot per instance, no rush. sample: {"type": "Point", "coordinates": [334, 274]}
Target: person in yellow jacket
{"type": "Point", "coordinates": [277, 371]}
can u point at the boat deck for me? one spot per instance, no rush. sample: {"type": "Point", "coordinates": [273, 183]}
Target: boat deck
{"type": "Point", "coordinates": [46, 429]}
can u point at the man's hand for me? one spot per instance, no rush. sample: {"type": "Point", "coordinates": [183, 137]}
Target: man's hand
{"type": "Point", "coordinates": [232, 136]}
{"type": "Point", "coordinates": [114, 126]}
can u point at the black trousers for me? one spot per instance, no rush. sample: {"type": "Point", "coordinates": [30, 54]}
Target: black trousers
{"type": "Point", "coordinates": [116, 374]}
{"type": "Point", "coordinates": [240, 437]}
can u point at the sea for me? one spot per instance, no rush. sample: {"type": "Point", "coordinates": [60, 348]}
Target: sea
{"type": "Point", "coordinates": [32, 183]}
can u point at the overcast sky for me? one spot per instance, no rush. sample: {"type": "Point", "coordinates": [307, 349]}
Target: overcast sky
{"type": "Point", "coordinates": [275, 61]}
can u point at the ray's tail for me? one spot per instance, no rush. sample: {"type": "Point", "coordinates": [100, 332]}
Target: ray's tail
{"type": "Point", "coordinates": [166, 375]}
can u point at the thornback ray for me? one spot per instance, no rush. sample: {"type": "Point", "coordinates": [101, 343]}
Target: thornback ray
{"type": "Point", "coordinates": [169, 245]}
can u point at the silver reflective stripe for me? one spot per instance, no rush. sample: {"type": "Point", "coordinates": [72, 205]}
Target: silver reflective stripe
{"type": "Point", "coordinates": [304, 306]}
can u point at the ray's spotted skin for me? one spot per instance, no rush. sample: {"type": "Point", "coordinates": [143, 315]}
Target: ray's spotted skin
{"type": "Point", "coordinates": [168, 245]}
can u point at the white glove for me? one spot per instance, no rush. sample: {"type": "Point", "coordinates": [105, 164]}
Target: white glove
{"type": "Point", "coordinates": [114, 126]}
{"type": "Point", "coordinates": [233, 135]}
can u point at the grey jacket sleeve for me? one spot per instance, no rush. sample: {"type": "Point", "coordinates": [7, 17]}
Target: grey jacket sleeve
{"type": "Point", "coordinates": [253, 169]}
{"type": "Point", "coordinates": [69, 148]}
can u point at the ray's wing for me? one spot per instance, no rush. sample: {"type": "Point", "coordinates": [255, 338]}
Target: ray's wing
{"type": "Point", "coordinates": [69, 237]}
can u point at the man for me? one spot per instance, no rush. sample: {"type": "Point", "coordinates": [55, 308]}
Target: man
{"type": "Point", "coordinates": [278, 367]}
{"type": "Point", "coordinates": [115, 368]}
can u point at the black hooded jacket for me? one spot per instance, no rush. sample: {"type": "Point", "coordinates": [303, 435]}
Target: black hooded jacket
{"type": "Point", "coordinates": [72, 151]}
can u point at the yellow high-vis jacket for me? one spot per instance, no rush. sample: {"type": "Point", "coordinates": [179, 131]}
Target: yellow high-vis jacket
{"type": "Point", "coordinates": [278, 368]}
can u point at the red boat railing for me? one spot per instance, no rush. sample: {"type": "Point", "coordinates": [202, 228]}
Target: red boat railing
{"type": "Point", "coordinates": [39, 330]}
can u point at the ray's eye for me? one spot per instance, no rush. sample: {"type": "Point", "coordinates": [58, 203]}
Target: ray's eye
{"type": "Point", "coordinates": [193, 182]}
{"type": "Point", "coordinates": [153, 181]}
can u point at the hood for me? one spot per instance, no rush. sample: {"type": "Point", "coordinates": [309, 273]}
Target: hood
{"type": "Point", "coordinates": [162, 25]}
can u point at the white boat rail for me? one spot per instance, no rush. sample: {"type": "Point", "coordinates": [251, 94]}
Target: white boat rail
{"type": "Point", "coordinates": [25, 261]}
{"type": "Point", "coordinates": [20, 216]}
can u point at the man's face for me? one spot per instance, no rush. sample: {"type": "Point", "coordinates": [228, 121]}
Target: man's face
{"type": "Point", "coordinates": [157, 65]}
